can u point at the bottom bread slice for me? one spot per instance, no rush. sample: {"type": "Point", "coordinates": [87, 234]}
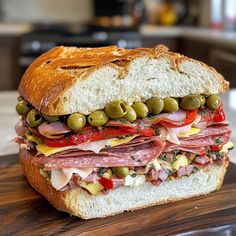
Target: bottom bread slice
{"type": "Point", "coordinates": [80, 203]}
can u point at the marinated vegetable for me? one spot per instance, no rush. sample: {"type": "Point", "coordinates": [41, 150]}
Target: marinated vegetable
{"type": "Point", "coordinates": [155, 105]}
{"type": "Point", "coordinates": [130, 115]}
{"type": "Point", "coordinates": [190, 102]}
{"type": "Point", "coordinates": [202, 100]}
{"type": "Point", "coordinates": [213, 102]}
{"type": "Point", "coordinates": [76, 121]}
{"type": "Point", "coordinates": [22, 108]}
{"type": "Point", "coordinates": [181, 160]}
{"type": "Point", "coordinates": [170, 105]}
{"type": "Point", "coordinates": [121, 171]}
{"type": "Point", "coordinates": [116, 109]}
{"type": "Point", "coordinates": [97, 118]}
{"type": "Point", "coordinates": [34, 118]}
{"type": "Point", "coordinates": [32, 138]}
{"type": "Point", "coordinates": [50, 118]}
{"type": "Point", "coordinates": [141, 109]}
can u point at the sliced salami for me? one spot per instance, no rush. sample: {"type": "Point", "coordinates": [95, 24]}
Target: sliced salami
{"type": "Point", "coordinates": [128, 156]}
{"type": "Point", "coordinates": [197, 143]}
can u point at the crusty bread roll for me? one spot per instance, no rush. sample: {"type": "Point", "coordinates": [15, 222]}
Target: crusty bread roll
{"type": "Point", "coordinates": [65, 80]}
{"type": "Point", "coordinates": [79, 203]}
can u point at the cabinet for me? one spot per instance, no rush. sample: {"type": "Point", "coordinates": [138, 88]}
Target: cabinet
{"type": "Point", "coordinates": [9, 66]}
{"type": "Point", "coordinates": [170, 42]}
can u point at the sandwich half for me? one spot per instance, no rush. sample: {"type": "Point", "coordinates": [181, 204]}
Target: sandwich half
{"type": "Point", "coordinates": [107, 130]}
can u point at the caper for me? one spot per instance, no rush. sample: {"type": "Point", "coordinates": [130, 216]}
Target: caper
{"type": "Point", "coordinates": [22, 108]}
{"type": "Point", "coordinates": [97, 118]}
{"type": "Point", "coordinates": [141, 109]}
{"type": "Point", "coordinates": [121, 171]}
{"type": "Point", "coordinates": [34, 118]}
{"type": "Point", "coordinates": [115, 109]}
{"type": "Point", "coordinates": [130, 115]}
{"type": "Point", "coordinates": [202, 100]}
{"type": "Point", "coordinates": [213, 102]}
{"type": "Point", "coordinates": [76, 121]}
{"type": "Point", "coordinates": [155, 105]}
{"type": "Point", "coordinates": [190, 102]}
{"type": "Point", "coordinates": [50, 118]}
{"type": "Point", "coordinates": [170, 105]}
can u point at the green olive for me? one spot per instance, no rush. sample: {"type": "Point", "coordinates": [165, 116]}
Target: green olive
{"type": "Point", "coordinates": [76, 121]}
{"type": "Point", "coordinates": [202, 100]}
{"type": "Point", "coordinates": [115, 109]}
{"type": "Point", "coordinates": [20, 98]}
{"type": "Point", "coordinates": [141, 109]}
{"type": "Point", "coordinates": [97, 118]}
{"type": "Point", "coordinates": [155, 105]}
{"type": "Point", "coordinates": [170, 105]}
{"type": "Point", "coordinates": [213, 102]}
{"type": "Point", "coordinates": [190, 102]}
{"type": "Point", "coordinates": [22, 108]}
{"type": "Point", "coordinates": [34, 118]}
{"type": "Point", "coordinates": [121, 171]}
{"type": "Point", "coordinates": [50, 118]}
{"type": "Point", "coordinates": [130, 115]}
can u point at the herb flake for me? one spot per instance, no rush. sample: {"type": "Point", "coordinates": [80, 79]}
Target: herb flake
{"type": "Point", "coordinates": [218, 141]}
{"type": "Point", "coordinates": [163, 156]}
{"type": "Point", "coordinates": [133, 175]}
{"type": "Point", "coordinates": [101, 171]}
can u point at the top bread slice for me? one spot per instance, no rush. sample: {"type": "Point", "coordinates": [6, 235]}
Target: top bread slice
{"type": "Point", "coordinates": [65, 80]}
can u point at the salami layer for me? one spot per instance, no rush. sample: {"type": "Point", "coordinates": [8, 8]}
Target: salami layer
{"type": "Point", "coordinates": [126, 156]}
{"type": "Point", "coordinates": [197, 143]}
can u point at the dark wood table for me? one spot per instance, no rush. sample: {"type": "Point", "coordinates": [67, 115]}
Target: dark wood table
{"type": "Point", "coordinates": [25, 212]}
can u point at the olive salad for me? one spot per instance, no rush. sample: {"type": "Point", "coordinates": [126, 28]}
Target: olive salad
{"type": "Point", "coordinates": [119, 109]}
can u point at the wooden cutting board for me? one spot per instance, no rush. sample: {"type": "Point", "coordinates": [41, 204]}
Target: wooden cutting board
{"type": "Point", "coordinates": [25, 212]}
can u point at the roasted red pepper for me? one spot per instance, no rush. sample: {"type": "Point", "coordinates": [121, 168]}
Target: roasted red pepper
{"type": "Point", "coordinates": [216, 148]}
{"type": "Point", "coordinates": [94, 134]}
{"type": "Point", "coordinates": [220, 115]}
{"type": "Point", "coordinates": [106, 183]}
{"type": "Point", "coordinates": [190, 117]}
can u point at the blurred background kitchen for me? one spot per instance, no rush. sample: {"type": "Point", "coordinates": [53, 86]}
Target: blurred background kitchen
{"type": "Point", "coordinates": [202, 29]}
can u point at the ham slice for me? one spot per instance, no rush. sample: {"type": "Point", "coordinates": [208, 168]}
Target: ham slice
{"type": "Point", "coordinates": [20, 128]}
{"type": "Point", "coordinates": [126, 156]}
{"type": "Point", "coordinates": [184, 170]}
{"type": "Point", "coordinates": [202, 160]}
{"type": "Point", "coordinates": [53, 130]}
{"type": "Point", "coordinates": [197, 143]}
{"type": "Point", "coordinates": [117, 182]}
{"type": "Point", "coordinates": [215, 130]}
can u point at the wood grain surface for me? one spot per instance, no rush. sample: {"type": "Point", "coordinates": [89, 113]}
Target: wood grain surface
{"type": "Point", "coordinates": [25, 212]}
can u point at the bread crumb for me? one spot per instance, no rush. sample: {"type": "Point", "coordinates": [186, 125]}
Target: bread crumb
{"type": "Point", "coordinates": [196, 207]}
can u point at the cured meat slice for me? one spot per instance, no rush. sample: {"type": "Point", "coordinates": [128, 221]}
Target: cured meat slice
{"type": "Point", "coordinates": [210, 131]}
{"type": "Point", "coordinates": [74, 152]}
{"type": "Point", "coordinates": [197, 143]}
{"type": "Point", "coordinates": [193, 149]}
{"type": "Point", "coordinates": [128, 156]}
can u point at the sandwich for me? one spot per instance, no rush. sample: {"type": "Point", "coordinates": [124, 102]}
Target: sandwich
{"type": "Point", "coordinates": [108, 130]}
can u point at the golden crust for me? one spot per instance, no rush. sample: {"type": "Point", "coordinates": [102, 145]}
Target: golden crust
{"type": "Point", "coordinates": [59, 198]}
{"type": "Point", "coordinates": [49, 76]}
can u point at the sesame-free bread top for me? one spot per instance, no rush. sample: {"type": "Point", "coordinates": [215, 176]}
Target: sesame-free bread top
{"type": "Point", "coordinates": [65, 80]}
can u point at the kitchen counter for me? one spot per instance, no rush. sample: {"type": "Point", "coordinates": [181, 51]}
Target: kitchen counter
{"type": "Point", "coordinates": [14, 29]}
{"type": "Point", "coordinates": [225, 38]}
{"type": "Point", "coordinates": [8, 119]}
